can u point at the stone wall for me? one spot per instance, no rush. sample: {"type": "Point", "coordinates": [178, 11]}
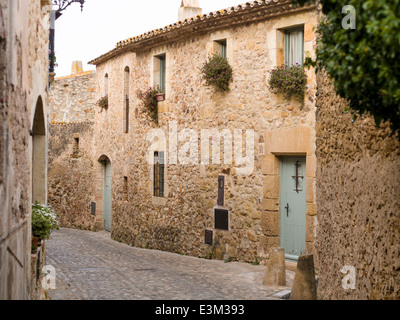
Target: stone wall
{"type": "Point", "coordinates": [358, 190]}
{"type": "Point", "coordinates": [178, 221]}
{"type": "Point", "coordinates": [71, 98]}
{"type": "Point", "coordinates": [71, 173]}
{"type": "Point", "coordinates": [38, 258]}
{"type": "Point", "coordinates": [24, 38]}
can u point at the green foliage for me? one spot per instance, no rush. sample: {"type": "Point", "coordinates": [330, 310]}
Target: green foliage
{"type": "Point", "coordinates": [363, 62]}
{"type": "Point", "coordinates": [55, 59]}
{"type": "Point", "coordinates": [44, 219]}
{"type": "Point", "coordinates": [229, 260]}
{"type": "Point", "coordinates": [103, 103]}
{"type": "Point", "coordinates": [149, 101]}
{"type": "Point", "coordinates": [217, 72]}
{"type": "Point", "coordinates": [255, 263]}
{"type": "Point", "coordinates": [288, 81]}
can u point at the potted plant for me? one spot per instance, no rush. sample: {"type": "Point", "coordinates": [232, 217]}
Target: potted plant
{"type": "Point", "coordinates": [103, 103]}
{"type": "Point", "coordinates": [160, 96]}
{"type": "Point", "coordinates": [289, 81]}
{"type": "Point", "coordinates": [54, 59]}
{"type": "Point", "coordinates": [149, 100]}
{"type": "Point", "coordinates": [44, 220]}
{"type": "Point", "coordinates": [217, 72]}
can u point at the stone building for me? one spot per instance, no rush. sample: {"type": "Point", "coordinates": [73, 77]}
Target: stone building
{"type": "Point", "coordinates": [24, 47]}
{"type": "Point", "coordinates": [106, 171]}
{"type": "Point", "coordinates": [186, 197]}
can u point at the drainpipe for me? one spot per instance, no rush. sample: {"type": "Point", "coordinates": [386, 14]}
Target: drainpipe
{"type": "Point", "coordinates": [52, 46]}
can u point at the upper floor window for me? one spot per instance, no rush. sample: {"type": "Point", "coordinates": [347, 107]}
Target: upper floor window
{"type": "Point", "coordinates": [125, 192]}
{"type": "Point", "coordinates": [294, 46]}
{"type": "Point", "coordinates": [220, 47]}
{"type": "Point", "coordinates": [106, 84]}
{"type": "Point", "coordinates": [126, 99]}
{"type": "Point", "coordinates": [160, 64]}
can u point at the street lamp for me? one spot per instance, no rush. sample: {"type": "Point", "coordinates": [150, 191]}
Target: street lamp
{"type": "Point", "coordinates": [64, 4]}
{"type": "Point", "coordinates": [55, 14]}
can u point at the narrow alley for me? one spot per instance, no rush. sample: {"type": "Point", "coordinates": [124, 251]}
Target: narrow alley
{"type": "Point", "coordinates": [91, 266]}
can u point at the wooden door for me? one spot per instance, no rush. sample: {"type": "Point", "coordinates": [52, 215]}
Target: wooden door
{"type": "Point", "coordinates": [293, 206]}
{"type": "Point", "coordinates": [107, 195]}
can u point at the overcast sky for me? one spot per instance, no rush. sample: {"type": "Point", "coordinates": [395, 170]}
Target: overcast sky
{"type": "Point", "coordinates": [83, 36]}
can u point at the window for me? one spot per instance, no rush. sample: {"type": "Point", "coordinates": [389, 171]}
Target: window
{"type": "Point", "coordinates": [220, 47]}
{"type": "Point", "coordinates": [75, 150]}
{"type": "Point", "coordinates": [159, 174]}
{"type": "Point", "coordinates": [160, 63]}
{"type": "Point", "coordinates": [76, 143]}
{"type": "Point", "coordinates": [106, 85]}
{"type": "Point", "coordinates": [294, 46]}
{"type": "Point", "coordinates": [126, 99]}
{"type": "Point", "coordinates": [125, 191]}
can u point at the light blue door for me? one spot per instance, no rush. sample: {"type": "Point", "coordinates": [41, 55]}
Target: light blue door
{"type": "Point", "coordinates": [293, 206]}
{"type": "Point", "coordinates": [107, 195]}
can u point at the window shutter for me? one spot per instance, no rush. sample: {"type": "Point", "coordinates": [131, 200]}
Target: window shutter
{"type": "Point", "coordinates": [159, 174]}
{"type": "Point", "coordinates": [287, 48]}
{"type": "Point", "coordinates": [300, 48]}
{"type": "Point", "coordinates": [162, 73]}
{"type": "Point", "coordinates": [223, 49]}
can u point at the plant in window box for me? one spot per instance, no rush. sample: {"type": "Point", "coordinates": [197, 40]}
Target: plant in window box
{"type": "Point", "coordinates": [217, 72]}
{"type": "Point", "coordinates": [149, 100]}
{"type": "Point", "coordinates": [103, 103]}
{"type": "Point", "coordinates": [54, 59]}
{"type": "Point", "coordinates": [289, 81]}
{"type": "Point", "coordinates": [160, 97]}
{"type": "Point", "coordinates": [44, 220]}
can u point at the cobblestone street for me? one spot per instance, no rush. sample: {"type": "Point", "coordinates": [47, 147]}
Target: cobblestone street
{"type": "Point", "coordinates": [91, 266]}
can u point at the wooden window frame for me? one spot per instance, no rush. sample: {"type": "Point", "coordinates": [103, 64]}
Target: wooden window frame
{"type": "Point", "coordinates": [126, 99]}
{"type": "Point", "coordinates": [221, 47]}
{"type": "Point", "coordinates": [159, 174]}
{"type": "Point", "coordinates": [160, 71]}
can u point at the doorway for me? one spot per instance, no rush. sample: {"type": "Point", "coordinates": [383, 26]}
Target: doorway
{"type": "Point", "coordinates": [293, 206]}
{"type": "Point", "coordinates": [107, 195]}
{"type": "Point", "coordinates": [39, 155]}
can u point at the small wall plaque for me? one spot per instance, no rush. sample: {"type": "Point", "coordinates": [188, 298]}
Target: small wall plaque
{"type": "Point", "coordinates": [209, 237]}
{"type": "Point", "coordinates": [93, 208]}
{"type": "Point", "coordinates": [221, 190]}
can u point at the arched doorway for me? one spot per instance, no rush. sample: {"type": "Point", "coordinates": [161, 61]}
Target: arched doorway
{"type": "Point", "coordinates": [106, 191]}
{"type": "Point", "coordinates": [39, 155]}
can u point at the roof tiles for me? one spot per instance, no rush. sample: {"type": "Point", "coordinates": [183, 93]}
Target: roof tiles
{"type": "Point", "coordinates": [276, 6]}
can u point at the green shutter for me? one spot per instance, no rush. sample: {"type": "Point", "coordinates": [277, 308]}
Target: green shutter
{"type": "Point", "coordinates": [300, 46]}
{"type": "Point", "coordinates": [223, 49]}
{"type": "Point", "coordinates": [287, 48]}
{"type": "Point", "coordinates": [162, 73]}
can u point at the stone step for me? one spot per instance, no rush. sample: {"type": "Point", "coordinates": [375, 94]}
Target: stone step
{"type": "Point", "coordinates": [284, 295]}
